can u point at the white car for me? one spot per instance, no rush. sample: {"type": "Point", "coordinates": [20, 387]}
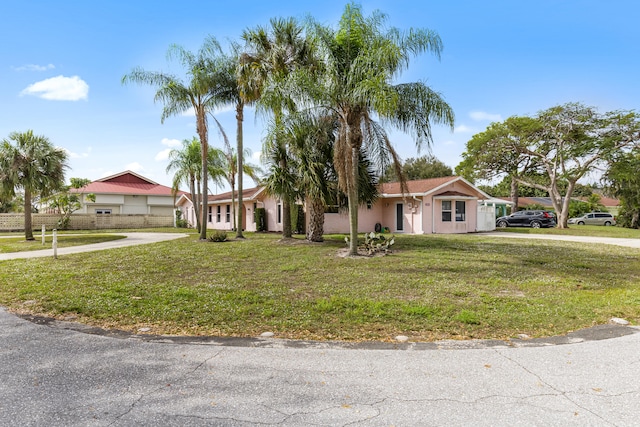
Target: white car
{"type": "Point", "coordinates": [594, 218]}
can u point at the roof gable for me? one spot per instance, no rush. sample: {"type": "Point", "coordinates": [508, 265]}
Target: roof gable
{"type": "Point", "coordinates": [127, 177]}
{"type": "Point", "coordinates": [127, 183]}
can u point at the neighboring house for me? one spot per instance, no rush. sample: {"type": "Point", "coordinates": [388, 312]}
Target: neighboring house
{"type": "Point", "coordinates": [221, 214]}
{"type": "Point", "coordinates": [611, 204]}
{"type": "Point", "coordinates": [438, 205]}
{"type": "Point", "coordinates": [128, 193]}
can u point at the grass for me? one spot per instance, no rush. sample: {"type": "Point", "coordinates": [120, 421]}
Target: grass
{"type": "Point", "coordinates": [431, 287]}
{"type": "Point", "coordinates": [19, 244]}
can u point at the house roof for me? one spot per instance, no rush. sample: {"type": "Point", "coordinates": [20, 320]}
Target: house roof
{"type": "Point", "coordinates": [423, 187]}
{"type": "Point", "coordinates": [127, 183]}
{"type": "Point", "coordinates": [247, 194]}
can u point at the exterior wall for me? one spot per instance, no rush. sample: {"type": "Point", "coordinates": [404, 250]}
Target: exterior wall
{"type": "Point", "coordinates": [15, 222]}
{"type": "Point", "coordinates": [161, 210]}
{"type": "Point", "coordinates": [91, 209]}
{"type": "Point", "coordinates": [469, 225]}
{"type": "Point", "coordinates": [338, 223]}
{"type": "Point", "coordinates": [135, 205]}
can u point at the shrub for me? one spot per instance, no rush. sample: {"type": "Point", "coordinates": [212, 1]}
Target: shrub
{"type": "Point", "coordinates": [218, 236]}
{"type": "Point", "coordinates": [260, 218]}
{"type": "Point", "coordinates": [374, 243]}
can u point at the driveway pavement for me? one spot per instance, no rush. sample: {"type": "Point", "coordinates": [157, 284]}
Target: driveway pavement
{"type": "Point", "coordinates": [130, 240]}
{"type": "Point", "coordinates": [631, 243]}
{"type": "Point", "coordinates": [66, 374]}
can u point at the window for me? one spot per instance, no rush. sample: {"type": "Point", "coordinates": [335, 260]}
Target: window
{"type": "Point", "coordinates": [103, 211]}
{"type": "Point", "coordinates": [446, 211]}
{"type": "Point", "coordinates": [218, 214]}
{"type": "Point", "coordinates": [279, 214]}
{"type": "Point", "coordinates": [209, 214]}
{"type": "Point", "coordinates": [228, 214]}
{"type": "Point", "coordinates": [460, 210]}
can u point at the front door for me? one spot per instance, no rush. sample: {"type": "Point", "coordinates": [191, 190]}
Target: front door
{"type": "Point", "coordinates": [399, 217]}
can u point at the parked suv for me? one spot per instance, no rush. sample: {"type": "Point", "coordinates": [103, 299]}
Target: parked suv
{"type": "Point", "coordinates": [594, 218]}
{"type": "Point", "coordinates": [533, 219]}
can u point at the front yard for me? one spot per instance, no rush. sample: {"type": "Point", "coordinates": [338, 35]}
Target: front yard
{"type": "Point", "coordinates": [431, 287]}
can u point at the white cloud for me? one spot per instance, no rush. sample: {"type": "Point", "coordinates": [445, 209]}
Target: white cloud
{"type": "Point", "coordinates": [163, 155]}
{"type": "Point", "coordinates": [59, 88]}
{"type": "Point", "coordinates": [480, 116]}
{"type": "Point", "coordinates": [135, 167]}
{"type": "Point", "coordinates": [256, 156]}
{"type": "Point", "coordinates": [73, 155]}
{"type": "Point", "coordinates": [449, 142]}
{"type": "Point", "coordinates": [35, 67]}
{"type": "Point", "coordinates": [171, 142]}
{"type": "Point", "coordinates": [462, 129]}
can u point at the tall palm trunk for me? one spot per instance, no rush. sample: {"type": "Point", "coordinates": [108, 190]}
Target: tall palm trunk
{"type": "Point", "coordinates": [28, 225]}
{"type": "Point", "coordinates": [196, 202]}
{"type": "Point", "coordinates": [202, 133]}
{"type": "Point", "coordinates": [315, 210]}
{"type": "Point", "coordinates": [286, 206]}
{"type": "Point", "coordinates": [240, 148]}
{"type": "Point", "coordinates": [352, 194]}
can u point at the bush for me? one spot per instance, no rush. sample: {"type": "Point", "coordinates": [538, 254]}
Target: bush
{"type": "Point", "coordinates": [374, 243]}
{"type": "Point", "coordinates": [297, 218]}
{"type": "Point", "coordinates": [218, 236]}
{"type": "Point", "coordinates": [260, 218]}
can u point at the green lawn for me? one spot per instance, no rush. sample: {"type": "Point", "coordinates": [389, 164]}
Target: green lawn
{"type": "Point", "coordinates": [431, 287]}
{"type": "Point", "coordinates": [19, 244]}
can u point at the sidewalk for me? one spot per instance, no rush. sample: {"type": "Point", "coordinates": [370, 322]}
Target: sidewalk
{"type": "Point", "coordinates": [130, 240]}
{"type": "Point", "coordinates": [630, 243]}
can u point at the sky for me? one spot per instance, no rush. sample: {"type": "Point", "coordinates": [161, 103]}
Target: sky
{"type": "Point", "coordinates": [62, 62]}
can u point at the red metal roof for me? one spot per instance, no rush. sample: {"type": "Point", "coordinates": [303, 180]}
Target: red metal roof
{"type": "Point", "coordinates": [127, 183]}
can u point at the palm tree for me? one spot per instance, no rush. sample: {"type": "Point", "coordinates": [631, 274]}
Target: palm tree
{"type": "Point", "coordinates": [271, 57]}
{"type": "Point", "coordinates": [33, 164]}
{"type": "Point", "coordinates": [187, 164]}
{"type": "Point", "coordinates": [361, 58]}
{"type": "Point", "coordinates": [227, 162]}
{"type": "Point", "coordinates": [237, 88]}
{"type": "Point", "coordinates": [205, 70]}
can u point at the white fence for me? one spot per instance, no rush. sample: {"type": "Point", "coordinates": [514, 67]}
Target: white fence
{"type": "Point", "coordinates": [15, 221]}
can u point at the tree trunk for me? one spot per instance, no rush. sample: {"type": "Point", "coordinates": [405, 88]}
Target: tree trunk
{"type": "Point", "coordinates": [194, 201]}
{"type": "Point", "coordinates": [202, 133]}
{"type": "Point", "coordinates": [240, 149]}
{"type": "Point", "coordinates": [514, 192]}
{"type": "Point", "coordinates": [28, 225]}
{"type": "Point", "coordinates": [353, 201]}
{"type": "Point", "coordinates": [286, 217]}
{"type": "Point", "coordinates": [315, 210]}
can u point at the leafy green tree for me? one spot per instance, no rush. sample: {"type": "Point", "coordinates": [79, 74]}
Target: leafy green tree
{"type": "Point", "coordinates": [30, 163]}
{"type": "Point", "coordinates": [553, 150]}
{"type": "Point", "coordinates": [624, 182]}
{"type": "Point", "coordinates": [361, 58]}
{"type": "Point", "coordinates": [206, 70]}
{"type": "Point", "coordinates": [69, 200]}
{"type": "Point", "coordinates": [423, 167]}
{"type": "Point", "coordinates": [272, 59]}
{"type": "Point", "coordinates": [490, 154]}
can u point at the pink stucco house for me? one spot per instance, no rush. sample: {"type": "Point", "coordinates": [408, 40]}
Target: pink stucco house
{"type": "Point", "coordinates": [438, 205]}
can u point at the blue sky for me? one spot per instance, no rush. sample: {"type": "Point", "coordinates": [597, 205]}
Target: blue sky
{"type": "Point", "coordinates": [61, 63]}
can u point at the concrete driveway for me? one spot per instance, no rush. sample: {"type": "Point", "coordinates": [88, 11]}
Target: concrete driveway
{"type": "Point", "coordinates": [131, 239]}
{"type": "Point", "coordinates": [630, 243]}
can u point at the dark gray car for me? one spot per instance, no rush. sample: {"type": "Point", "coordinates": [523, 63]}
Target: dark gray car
{"type": "Point", "coordinates": [533, 219]}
